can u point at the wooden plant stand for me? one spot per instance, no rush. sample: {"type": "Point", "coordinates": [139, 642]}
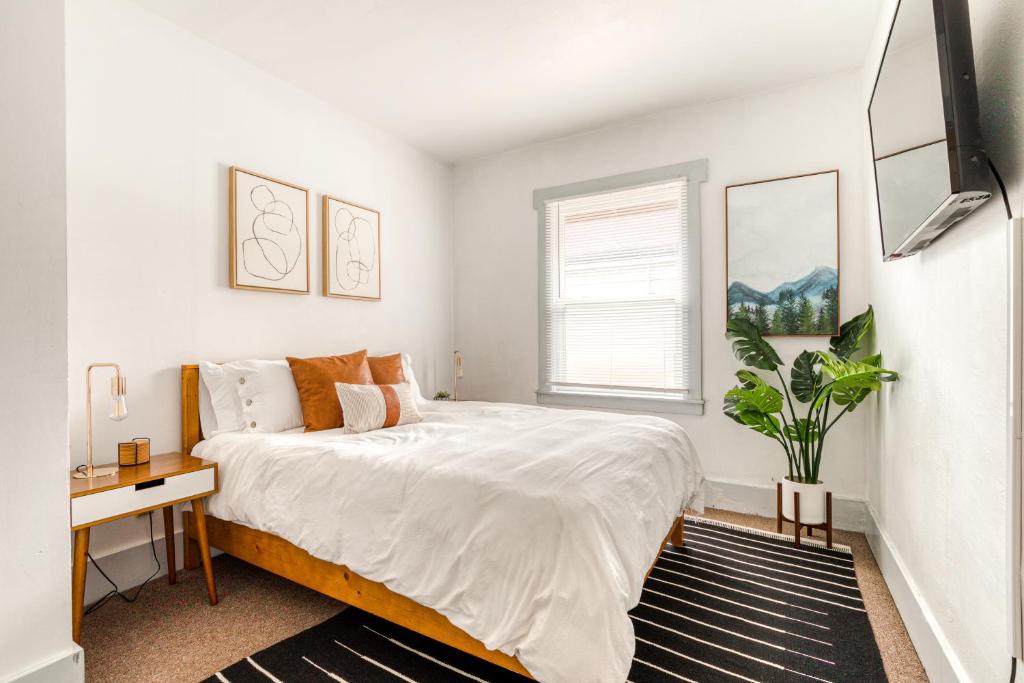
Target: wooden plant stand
{"type": "Point", "coordinates": [797, 524]}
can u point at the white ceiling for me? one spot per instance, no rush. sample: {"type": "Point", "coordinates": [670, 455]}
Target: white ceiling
{"type": "Point", "coordinates": [465, 78]}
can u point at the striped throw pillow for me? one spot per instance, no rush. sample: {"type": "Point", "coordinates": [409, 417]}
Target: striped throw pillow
{"type": "Point", "coordinates": [376, 406]}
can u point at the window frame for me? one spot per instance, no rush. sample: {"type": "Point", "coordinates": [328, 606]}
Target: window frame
{"type": "Point", "coordinates": [695, 173]}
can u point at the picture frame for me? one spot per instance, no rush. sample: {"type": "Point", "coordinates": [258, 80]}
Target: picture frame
{"type": "Point", "coordinates": [351, 250]}
{"type": "Point", "coordinates": [783, 253]}
{"type": "Point", "coordinates": [268, 233]}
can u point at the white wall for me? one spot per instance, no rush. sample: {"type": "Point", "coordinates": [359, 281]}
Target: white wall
{"type": "Point", "coordinates": [155, 117]}
{"type": "Point", "coordinates": [35, 557]}
{"type": "Point", "coordinates": [812, 126]}
{"type": "Point", "coordinates": [937, 446]}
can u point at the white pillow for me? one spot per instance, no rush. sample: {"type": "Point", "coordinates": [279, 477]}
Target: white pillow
{"type": "Point", "coordinates": [410, 378]}
{"type": "Point", "coordinates": [252, 396]}
{"type": "Point", "coordinates": [207, 418]}
{"type": "Point", "coordinates": [227, 408]}
{"type": "Point", "coordinates": [367, 407]}
{"type": "Point", "coordinates": [269, 398]}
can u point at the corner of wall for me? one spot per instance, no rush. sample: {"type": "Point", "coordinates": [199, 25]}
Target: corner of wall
{"type": "Point", "coordinates": [65, 667]}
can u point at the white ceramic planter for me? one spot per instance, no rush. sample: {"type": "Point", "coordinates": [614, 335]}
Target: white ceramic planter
{"type": "Point", "coordinates": [812, 501]}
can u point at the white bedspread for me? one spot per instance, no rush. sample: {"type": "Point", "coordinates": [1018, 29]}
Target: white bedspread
{"type": "Point", "coordinates": [530, 528]}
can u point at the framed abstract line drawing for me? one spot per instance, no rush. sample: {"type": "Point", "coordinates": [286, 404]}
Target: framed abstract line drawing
{"type": "Point", "coordinates": [782, 254]}
{"type": "Point", "coordinates": [351, 250]}
{"type": "Point", "coordinates": [268, 241]}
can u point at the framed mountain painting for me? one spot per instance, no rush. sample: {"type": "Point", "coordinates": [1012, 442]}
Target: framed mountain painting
{"type": "Point", "coordinates": [782, 254]}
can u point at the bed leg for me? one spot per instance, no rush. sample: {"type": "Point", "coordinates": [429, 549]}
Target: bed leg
{"type": "Point", "coordinates": [678, 535]}
{"type": "Point", "coordinates": [191, 547]}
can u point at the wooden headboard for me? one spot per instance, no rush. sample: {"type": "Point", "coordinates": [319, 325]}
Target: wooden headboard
{"type": "Point", "coordinates": [191, 431]}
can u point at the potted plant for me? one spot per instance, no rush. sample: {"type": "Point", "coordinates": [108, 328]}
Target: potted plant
{"type": "Point", "coordinates": [823, 387]}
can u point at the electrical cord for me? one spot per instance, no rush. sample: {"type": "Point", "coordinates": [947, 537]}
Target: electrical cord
{"type": "Point", "coordinates": [1002, 188]}
{"type": "Point", "coordinates": [116, 592]}
{"type": "Point", "coordinates": [1013, 668]}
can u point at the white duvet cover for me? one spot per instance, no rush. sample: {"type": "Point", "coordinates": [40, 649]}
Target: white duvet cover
{"type": "Point", "coordinates": [530, 528]}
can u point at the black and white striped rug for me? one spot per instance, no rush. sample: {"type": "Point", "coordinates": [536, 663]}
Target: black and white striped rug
{"type": "Point", "coordinates": [734, 604]}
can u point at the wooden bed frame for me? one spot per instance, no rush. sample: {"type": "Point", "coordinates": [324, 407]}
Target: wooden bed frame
{"type": "Point", "coordinates": [280, 557]}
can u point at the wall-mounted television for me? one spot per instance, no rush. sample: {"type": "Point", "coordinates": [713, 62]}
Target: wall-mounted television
{"type": "Point", "coordinates": [930, 168]}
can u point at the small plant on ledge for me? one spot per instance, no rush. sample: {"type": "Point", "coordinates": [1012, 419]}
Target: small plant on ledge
{"type": "Point", "coordinates": [824, 386]}
{"type": "Point", "coordinates": [442, 396]}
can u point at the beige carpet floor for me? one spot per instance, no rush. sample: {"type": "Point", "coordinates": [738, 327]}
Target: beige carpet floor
{"type": "Point", "coordinates": [170, 634]}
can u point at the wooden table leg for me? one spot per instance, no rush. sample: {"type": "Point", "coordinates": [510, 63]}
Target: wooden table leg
{"type": "Point", "coordinates": [778, 507]}
{"type": "Point", "coordinates": [172, 575]}
{"type": "Point", "coordinates": [828, 519]}
{"type": "Point", "coordinates": [796, 518]}
{"type": "Point", "coordinates": [678, 535]}
{"type": "Point", "coordinates": [204, 548]}
{"type": "Point", "coordinates": [81, 561]}
{"type": "Point", "coordinates": [190, 549]}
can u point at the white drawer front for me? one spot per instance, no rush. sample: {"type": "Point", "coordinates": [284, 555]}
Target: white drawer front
{"type": "Point", "coordinates": [86, 509]}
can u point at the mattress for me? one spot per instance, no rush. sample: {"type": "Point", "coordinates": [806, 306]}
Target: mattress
{"type": "Point", "coordinates": [530, 528]}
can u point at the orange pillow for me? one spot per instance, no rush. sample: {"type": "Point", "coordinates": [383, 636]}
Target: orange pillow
{"type": "Point", "coordinates": [315, 378]}
{"type": "Point", "coordinates": [386, 369]}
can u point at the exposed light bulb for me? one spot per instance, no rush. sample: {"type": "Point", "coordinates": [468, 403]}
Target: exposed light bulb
{"type": "Point", "coordinates": [119, 410]}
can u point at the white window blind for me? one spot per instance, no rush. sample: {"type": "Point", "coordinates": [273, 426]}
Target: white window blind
{"type": "Point", "coordinates": [615, 293]}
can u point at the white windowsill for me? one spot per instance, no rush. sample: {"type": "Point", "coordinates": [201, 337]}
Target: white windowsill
{"type": "Point", "coordinates": [681, 406]}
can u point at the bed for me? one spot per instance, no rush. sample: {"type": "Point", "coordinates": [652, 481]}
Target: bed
{"type": "Point", "coordinates": [519, 534]}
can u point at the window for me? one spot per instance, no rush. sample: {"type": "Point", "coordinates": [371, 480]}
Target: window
{"type": "Point", "coordinates": [620, 278]}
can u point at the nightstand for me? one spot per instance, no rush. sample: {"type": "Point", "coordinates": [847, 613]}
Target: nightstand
{"type": "Point", "coordinates": [165, 480]}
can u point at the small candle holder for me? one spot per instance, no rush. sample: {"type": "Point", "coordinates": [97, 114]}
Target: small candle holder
{"type": "Point", "coordinates": [134, 452]}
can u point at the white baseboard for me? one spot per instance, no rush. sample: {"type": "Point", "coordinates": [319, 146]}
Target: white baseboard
{"type": "Point", "coordinates": [848, 513]}
{"type": "Point", "coordinates": [130, 566]}
{"type": "Point", "coordinates": [938, 658]}
{"type": "Point", "coordinates": [66, 667]}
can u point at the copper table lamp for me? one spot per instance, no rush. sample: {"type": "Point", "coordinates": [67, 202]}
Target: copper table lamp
{"type": "Point", "coordinates": [118, 412]}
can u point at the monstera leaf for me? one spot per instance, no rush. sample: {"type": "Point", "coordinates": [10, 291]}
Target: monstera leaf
{"type": "Point", "coordinates": [886, 376]}
{"type": "Point", "coordinates": [750, 347]}
{"type": "Point", "coordinates": [805, 377]}
{"type": "Point", "coordinates": [851, 333]}
{"type": "Point", "coordinates": [876, 361]}
{"type": "Point", "coordinates": [804, 431]}
{"type": "Point", "coordinates": [748, 380]}
{"type": "Point", "coordinates": [753, 403]}
{"type": "Point", "coordinates": [852, 380]}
